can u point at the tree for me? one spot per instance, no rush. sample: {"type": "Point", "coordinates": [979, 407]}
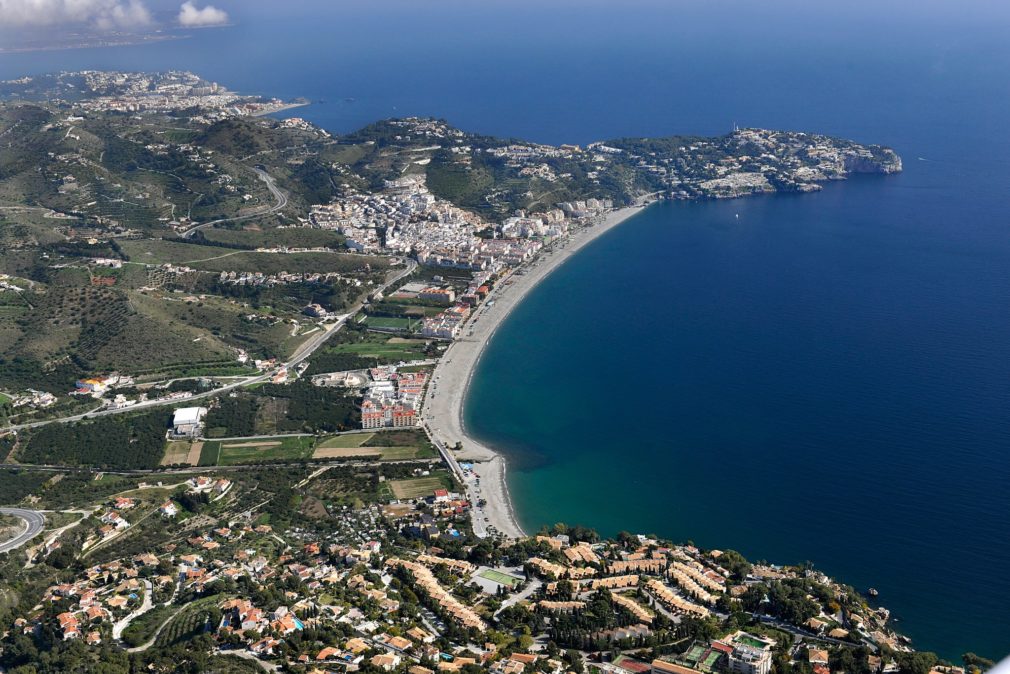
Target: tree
{"type": "Point", "coordinates": [916, 663]}
{"type": "Point", "coordinates": [976, 663]}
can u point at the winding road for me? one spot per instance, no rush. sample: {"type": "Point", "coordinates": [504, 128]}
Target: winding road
{"type": "Point", "coordinates": [279, 195]}
{"type": "Point", "coordinates": [305, 350]}
{"type": "Point", "coordinates": [34, 522]}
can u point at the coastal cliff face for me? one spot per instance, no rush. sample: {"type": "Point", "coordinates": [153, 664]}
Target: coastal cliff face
{"type": "Point", "coordinates": [882, 160]}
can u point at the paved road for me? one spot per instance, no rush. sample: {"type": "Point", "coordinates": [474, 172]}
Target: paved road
{"type": "Point", "coordinates": [189, 470]}
{"type": "Point", "coordinates": [34, 521]}
{"type": "Point", "coordinates": [301, 354]}
{"type": "Point", "coordinates": [145, 606]}
{"type": "Point", "coordinates": [281, 197]}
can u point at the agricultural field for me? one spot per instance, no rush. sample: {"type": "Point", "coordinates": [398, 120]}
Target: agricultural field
{"type": "Point", "coordinates": [159, 251]}
{"type": "Point", "coordinates": [347, 485]}
{"type": "Point", "coordinates": [418, 487]}
{"type": "Point", "coordinates": [190, 621]}
{"type": "Point", "coordinates": [254, 450]}
{"type": "Point", "coordinates": [274, 263]}
{"type": "Point", "coordinates": [142, 629]}
{"type": "Point", "coordinates": [378, 453]}
{"type": "Point", "coordinates": [293, 237]}
{"type": "Point", "coordinates": [347, 440]}
{"type": "Point", "coordinates": [182, 453]}
{"type": "Point", "coordinates": [226, 321]}
{"type": "Point", "coordinates": [392, 445]}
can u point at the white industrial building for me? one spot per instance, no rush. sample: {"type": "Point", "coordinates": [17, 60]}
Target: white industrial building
{"type": "Point", "coordinates": [187, 421]}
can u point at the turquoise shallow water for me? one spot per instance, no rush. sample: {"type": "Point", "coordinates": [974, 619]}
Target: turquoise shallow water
{"type": "Point", "coordinates": [824, 377]}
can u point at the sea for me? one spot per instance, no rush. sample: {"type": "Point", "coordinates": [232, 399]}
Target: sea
{"type": "Point", "coordinates": [821, 377]}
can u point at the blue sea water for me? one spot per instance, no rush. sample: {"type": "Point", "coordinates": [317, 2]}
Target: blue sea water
{"type": "Point", "coordinates": [824, 377]}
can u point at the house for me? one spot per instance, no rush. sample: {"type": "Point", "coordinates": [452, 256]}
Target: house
{"type": "Point", "coordinates": [92, 385]}
{"type": "Point", "coordinates": [118, 601]}
{"type": "Point", "coordinates": [386, 661]}
{"type": "Point", "coordinates": [816, 625]}
{"type": "Point", "coordinates": [817, 656]}
{"type": "Point", "coordinates": [508, 667]}
{"type": "Point", "coordinates": [328, 653]}
{"type": "Point", "coordinates": [200, 483]}
{"type": "Point", "coordinates": [115, 520]}
{"type": "Point", "coordinates": [69, 625]}
{"type": "Point", "coordinates": [95, 614]}
{"type": "Point", "coordinates": [356, 645]}
{"type": "Point", "coordinates": [315, 310]}
{"type": "Point", "coordinates": [286, 624]}
{"type": "Point", "coordinates": [264, 646]}
{"type": "Point", "coordinates": [168, 509]}
{"type": "Point", "coordinates": [525, 658]}
{"type": "Point", "coordinates": [399, 643]}
{"type": "Point", "coordinates": [417, 634]}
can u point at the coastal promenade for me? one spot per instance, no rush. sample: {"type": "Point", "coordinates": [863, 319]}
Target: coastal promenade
{"type": "Point", "coordinates": [443, 405]}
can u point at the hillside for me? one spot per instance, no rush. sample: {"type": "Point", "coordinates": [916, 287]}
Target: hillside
{"type": "Point", "coordinates": [186, 240]}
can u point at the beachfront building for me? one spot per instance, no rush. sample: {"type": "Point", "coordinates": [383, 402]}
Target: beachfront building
{"type": "Point", "coordinates": [392, 399]}
{"type": "Point", "coordinates": [446, 325]}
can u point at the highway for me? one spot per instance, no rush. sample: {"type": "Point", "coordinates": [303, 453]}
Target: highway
{"type": "Point", "coordinates": [34, 522]}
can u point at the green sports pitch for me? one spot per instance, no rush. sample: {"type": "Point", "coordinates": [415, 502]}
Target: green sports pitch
{"type": "Point", "coordinates": [499, 577]}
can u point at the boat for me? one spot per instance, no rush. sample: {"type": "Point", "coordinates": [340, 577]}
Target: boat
{"type": "Point", "coordinates": [872, 592]}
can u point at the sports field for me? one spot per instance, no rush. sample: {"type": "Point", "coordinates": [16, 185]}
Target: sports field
{"type": "Point", "coordinates": [499, 577]}
{"type": "Point", "coordinates": [391, 323]}
{"type": "Point", "coordinates": [253, 450]}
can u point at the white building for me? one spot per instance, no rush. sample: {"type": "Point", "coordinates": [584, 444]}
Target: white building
{"type": "Point", "coordinates": [186, 421]}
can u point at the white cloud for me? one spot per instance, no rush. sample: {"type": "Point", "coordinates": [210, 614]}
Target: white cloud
{"type": "Point", "coordinates": [192, 16]}
{"type": "Point", "coordinates": [105, 14]}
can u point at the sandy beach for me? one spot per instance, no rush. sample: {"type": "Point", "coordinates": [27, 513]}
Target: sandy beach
{"type": "Point", "coordinates": [443, 406]}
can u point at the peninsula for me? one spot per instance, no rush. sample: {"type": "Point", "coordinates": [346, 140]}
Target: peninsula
{"type": "Point", "coordinates": [235, 351]}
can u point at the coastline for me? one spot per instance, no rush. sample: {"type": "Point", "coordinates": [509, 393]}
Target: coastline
{"type": "Point", "coordinates": [281, 108]}
{"type": "Point", "coordinates": [443, 405]}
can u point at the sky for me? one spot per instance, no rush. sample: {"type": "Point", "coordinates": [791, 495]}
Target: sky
{"type": "Point", "coordinates": [107, 15]}
{"type": "Point", "coordinates": [140, 15]}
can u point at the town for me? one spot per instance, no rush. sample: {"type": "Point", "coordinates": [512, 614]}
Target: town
{"type": "Point", "coordinates": [400, 584]}
{"type": "Point", "coordinates": [110, 91]}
